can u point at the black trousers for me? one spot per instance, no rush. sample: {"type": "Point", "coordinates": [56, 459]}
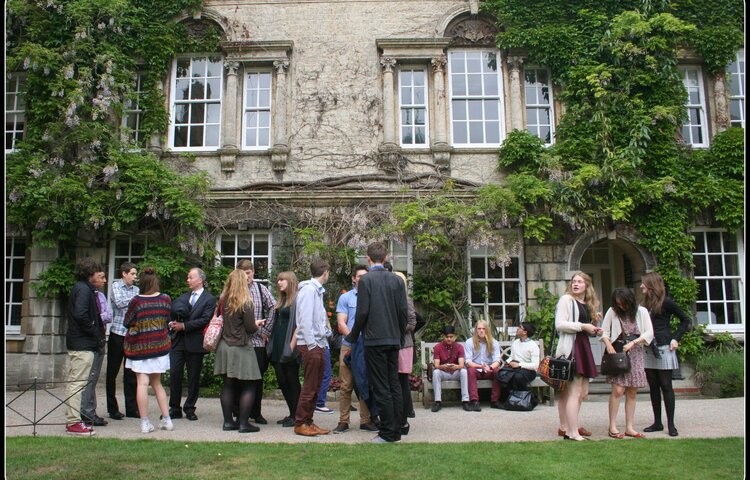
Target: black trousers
{"type": "Point", "coordinates": [115, 359]}
{"type": "Point", "coordinates": [520, 381]}
{"type": "Point", "coordinates": [178, 361]}
{"type": "Point", "coordinates": [382, 369]}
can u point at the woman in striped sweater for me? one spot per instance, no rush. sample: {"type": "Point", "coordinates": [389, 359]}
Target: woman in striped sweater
{"type": "Point", "coordinates": [147, 346]}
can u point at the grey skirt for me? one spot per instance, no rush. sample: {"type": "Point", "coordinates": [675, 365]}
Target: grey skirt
{"type": "Point", "coordinates": [668, 360]}
{"type": "Point", "coordinates": [236, 362]}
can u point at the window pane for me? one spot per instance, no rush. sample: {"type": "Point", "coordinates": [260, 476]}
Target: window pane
{"type": "Point", "coordinates": [477, 267]}
{"type": "Point", "coordinates": [180, 136]}
{"type": "Point", "coordinates": [213, 91]}
{"type": "Point", "coordinates": [213, 113]}
{"type": "Point", "coordinates": [196, 113]}
{"type": "Point", "coordinates": [212, 136]}
{"type": "Point", "coordinates": [196, 136]}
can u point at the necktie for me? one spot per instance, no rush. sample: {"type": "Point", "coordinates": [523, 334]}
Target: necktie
{"type": "Point", "coordinates": [193, 298]}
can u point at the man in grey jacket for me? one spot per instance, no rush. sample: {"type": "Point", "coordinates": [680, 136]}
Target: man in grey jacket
{"type": "Point", "coordinates": [311, 341]}
{"type": "Point", "coordinates": [382, 315]}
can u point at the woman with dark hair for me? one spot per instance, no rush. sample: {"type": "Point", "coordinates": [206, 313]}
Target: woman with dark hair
{"type": "Point", "coordinates": [283, 355]}
{"type": "Point", "coordinates": [662, 358]}
{"type": "Point", "coordinates": [147, 346]}
{"type": "Point", "coordinates": [627, 327]}
{"type": "Point", "coordinates": [236, 361]}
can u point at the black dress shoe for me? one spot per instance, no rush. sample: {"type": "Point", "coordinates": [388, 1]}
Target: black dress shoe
{"type": "Point", "coordinates": [405, 428]}
{"type": "Point", "coordinates": [248, 428]}
{"type": "Point", "coordinates": [116, 416]}
{"type": "Point", "coordinates": [173, 414]}
{"type": "Point", "coordinates": [673, 431]}
{"type": "Point", "coordinates": [190, 416]}
{"type": "Point", "coordinates": [281, 422]}
{"type": "Point", "coordinates": [96, 421]}
{"type": "Point", "coordinates": [230, 426]}
{"type": "Point", "coordinates": [289, 422]}
{"type": "Point", "coordinates": [260, 420]}
{"type": "Point", "coordinates": [370, 427]}
{"type": "Point", "coordinates": [412, 414]}
{"type": "Point", "coordinates": [497, 405]}
{"type": "Point", "coordinates": [654, 428]}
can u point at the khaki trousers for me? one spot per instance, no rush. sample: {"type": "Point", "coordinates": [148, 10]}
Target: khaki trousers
{"type": "Point", "coordinates": [79, 367]}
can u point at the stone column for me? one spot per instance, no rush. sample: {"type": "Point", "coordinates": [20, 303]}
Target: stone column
{"type": "Point", "coordinates": [280, 150]}
{"type": "Point", "coordinates": [440, 148]}
{"type": "Point", "coordinates": [229, 120]}
{"type": "Point", "coordinates": [154, 142]}
{"type": "Point", "coordinates": [388, 113]}
{"type": "Point", "coordinates": [721, 99]}
{"type": "Point", "coordinates": [229, 150]}
{"type": "Point", "coordinates": [516, 93]}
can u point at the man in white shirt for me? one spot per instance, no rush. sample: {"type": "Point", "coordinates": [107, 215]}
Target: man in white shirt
{"type": "Point", "coordinates": [523, 361]}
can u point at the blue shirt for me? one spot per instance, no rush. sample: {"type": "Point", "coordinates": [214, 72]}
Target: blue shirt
{"type": "Point", "coordinates": [347, 304]}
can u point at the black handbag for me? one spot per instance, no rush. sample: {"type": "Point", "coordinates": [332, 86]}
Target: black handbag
{"type": "Point", "coordinates": [520, 401]}
{"type": "Point", "coordinates": [504, 375]}
{"type": "Point", "coordinates": [617, 363]}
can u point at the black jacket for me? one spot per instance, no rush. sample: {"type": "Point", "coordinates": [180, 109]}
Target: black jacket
{"type": "Point", "coordinates": [382, 311]}
{"type": "Point", "coordinates": [85, 327]}
{"type": "Point", "coordinates": [195, 320]}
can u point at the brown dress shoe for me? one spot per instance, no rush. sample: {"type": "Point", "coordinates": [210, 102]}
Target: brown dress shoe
{"type": "Point", "coordinates": [321, 431]}
{"type": "Point", "coordinates": [306, 430]}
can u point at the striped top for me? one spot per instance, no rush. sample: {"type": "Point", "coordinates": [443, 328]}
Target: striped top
{"type": "Point", "coordinates": [146, 320]}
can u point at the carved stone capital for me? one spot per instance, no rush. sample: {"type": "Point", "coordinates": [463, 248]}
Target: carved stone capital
{"type": "Point", "coordinates": [228, 157]}
{"type": "Point", "coordinates": [438, 63]}
{"type": "Point", "coordinates": [441, 156]}
{"type": "Point", "coordinates": [231, 67]}
{"type": "Point", "coordinates": [388, 63]}
{"type": "Point", "coordinates": [515, 62]}
{"type": "Point", "coordinates": [281, 66]}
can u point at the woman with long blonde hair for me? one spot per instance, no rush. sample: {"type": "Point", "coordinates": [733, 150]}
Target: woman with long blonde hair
{"type": "Point", "coordinates": [282, 354]}
{"type": "Point", "coordinates": [576, 319]}
{"type": "Point", "coordinates": [235, 356]}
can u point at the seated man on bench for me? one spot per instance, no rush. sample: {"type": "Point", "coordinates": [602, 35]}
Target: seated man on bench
{"type": "Point", "coordinates": [449, 365]}
{"type": "Point", "coordinates": [520, 370]}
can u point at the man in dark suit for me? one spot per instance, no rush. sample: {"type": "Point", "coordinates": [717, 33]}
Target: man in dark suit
{"type": "Point", "coordinates": [382, 316]}
{"type": "Point", "coordinates": [191, 313]}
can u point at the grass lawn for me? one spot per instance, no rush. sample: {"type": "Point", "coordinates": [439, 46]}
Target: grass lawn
{"type": "Point", "coordinates": [94, 458]}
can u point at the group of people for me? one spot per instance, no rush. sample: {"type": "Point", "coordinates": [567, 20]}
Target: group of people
{"type": "Point", "coordinates": [626, 327]}
{"type": "Point", "coordinates": [151, 334]}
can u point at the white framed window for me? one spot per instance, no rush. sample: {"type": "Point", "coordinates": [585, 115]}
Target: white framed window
{"type": "Point", "coordinates": [736, 80]}
{"type": "Point", "coordinates": [125, 249]}
{"type": "Point", "coordinates": [133, 114]}
{"type": "Point", "coordinates": [695, 130]}
{"type": "Point", "coordinates": [412, 99]}
{"type": "Point", "coordinates": [476, 99]}
{"type": "Point", "coordinates": [15, 263]}
{"type": "Point", "coordinates": [15, 111]}
{"type": "Point", "coordinates": [196, 103]}
{"type": "Point", "coordinates": [256, 131]}
{"type": "Point", "coordinates": [720, 276]}
{"type": "Point", "coordinates": [253, 246]}
{"type": "Point", "coordinates": [539, 114]}
{"type": "Point", "coordinates": [498, 287]}
{"type": "Point", "coordinates": [399, 256]}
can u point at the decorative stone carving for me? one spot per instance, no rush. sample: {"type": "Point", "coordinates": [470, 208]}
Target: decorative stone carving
{"type": "Point", "coordinates": [199, 28]}
{"type": "Point", "coordinates": [390, 159]}
{"type": "Point", "coordinates": [388, 63]}
{"type": "Point", "coordinates": [231, 67]}
{"type": "Point", "coordinates": [472, 32]}
{"type": "Point", "coordinates": [228, 158]}
{"type": "Point", "coordinates": [281, 66]}
{"type": "Point", "coordinates": [438, 63]}
{"type": "Point", "coordinates": [441, 156]}
{"type": "Point", "coordinates": [279, 158]}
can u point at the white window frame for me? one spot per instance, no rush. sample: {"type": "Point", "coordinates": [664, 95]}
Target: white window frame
{"type": "Point", "coordinates": [15, 249]}
{"type": "Point", "coordinates": [400, 255]}
{"type": "Point", "coordinates": [695, 86]}
{"type": "Point", "coordinates": [503, 306]}
{"type": "Point", "coordinates": [736, 77]}
{"type": "Point", "coordinates": [706, 305]}
{"type": "Point", "coordinates": [485, 98]}
{"type": "Point", "coordinates": [248, 110]}
{"type": "Point", "coordinates": [133, 109]}
{"type": "Point", "coordinates": [235, 256]}
{"type": "Point", "coordinates": [15, 111]}
{"type": "Point", "coordinates": [174, 104]}
{"type": "Point", "coordinates": [408, 106]}
{"type": "Point", "coordinates": [537, 103]}
{"type": "Point", "coordinates": [117, 258]}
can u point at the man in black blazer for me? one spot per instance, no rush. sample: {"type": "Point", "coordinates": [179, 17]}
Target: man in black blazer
{"type": "Point", "coordinates": [382, 317]}
{"type": "Point", "coordinates": [191, 313]}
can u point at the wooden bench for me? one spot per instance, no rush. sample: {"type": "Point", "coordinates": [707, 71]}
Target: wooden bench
{"type": "Point", "coordinates": [540, 388]}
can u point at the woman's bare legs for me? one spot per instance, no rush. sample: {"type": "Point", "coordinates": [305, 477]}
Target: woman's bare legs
{"type": "Point", "coordinates": [631, 395]}
{"type": "Point", "coordinates": [614, 406]}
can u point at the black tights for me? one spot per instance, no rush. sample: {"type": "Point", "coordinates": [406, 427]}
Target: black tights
{"type": "Point", "coordinates": [403, 379]}
{"type": "Point", "coordinates": [230, 391]}
{"type": "Point", "coordinates": [287, 374]}
{"type": "Point", "coordinates": [660, 382]}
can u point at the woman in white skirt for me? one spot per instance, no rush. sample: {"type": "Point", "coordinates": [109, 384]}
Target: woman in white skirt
{"type": "Point", "coordinates": [147, 346]}
{"type": "Point", "coordinates": [661, 360]}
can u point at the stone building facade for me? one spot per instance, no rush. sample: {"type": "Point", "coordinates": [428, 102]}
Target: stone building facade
{"type": "Point", "coordinates": [338, 103]}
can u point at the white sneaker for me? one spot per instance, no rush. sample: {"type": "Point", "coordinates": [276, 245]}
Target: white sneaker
{"type": "Point", "coordinates": [166, 424]}
{"type": "Point", "coordinates": [147, 427]}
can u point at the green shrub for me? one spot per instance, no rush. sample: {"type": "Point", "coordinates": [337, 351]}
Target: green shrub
{"type": "Point", "coordinates": [723, 368]}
